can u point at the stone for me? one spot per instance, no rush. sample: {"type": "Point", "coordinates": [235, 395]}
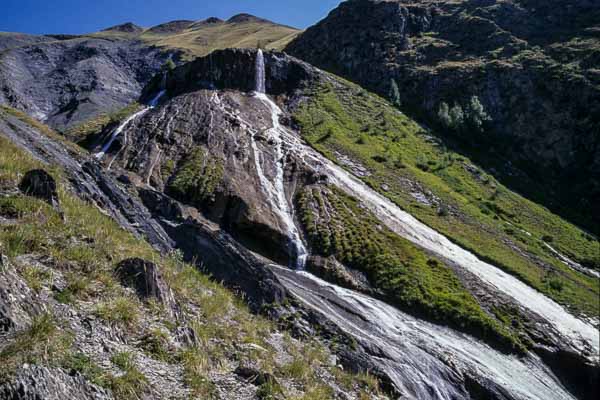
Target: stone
{"type": "Point", "coordinates": [39, 183]}
{"type": "Point", "coordinates": [254, 376]}
{"type": "Point", "coordinates": [145, 278]}
{"type": "Point", "coordinates": [36, 383]}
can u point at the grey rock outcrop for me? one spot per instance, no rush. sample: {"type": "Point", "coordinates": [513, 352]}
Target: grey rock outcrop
{"type": "Point", "coordinates": [234, 69]}
{"type": "Point", "coordinates": [66, 82]}
{"type": "Point", "coordinates": [145, 278]}
{"type": "Point", "coordinates": [37, 383]}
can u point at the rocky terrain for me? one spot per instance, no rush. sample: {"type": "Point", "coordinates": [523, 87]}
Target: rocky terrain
{"type": "Point", "coordinates": [65, 81]}
{"type": "Point", "coordinates": [531, 65]}
{"type": "Point", "coordinates": [253, 227]}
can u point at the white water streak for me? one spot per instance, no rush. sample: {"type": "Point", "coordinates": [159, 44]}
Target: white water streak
{"type": "Point", "coordinates": [423, 357]}
{"type": "Point", "coordinates": [125, 123]}
{"type": "Point", "coordinates": [583, 336]}
{"type": "Point", "coordinates": [276, 190]}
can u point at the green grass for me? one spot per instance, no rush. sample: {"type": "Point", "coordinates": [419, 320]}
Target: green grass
{"type": "Point", "coordinates": [478, 212]}
{"type": "Point", "coordinates": [86, 246]}
{"type": "Point", "coordinates": [131, 384]}
{"type": "Point", "coordinates": [99, 123]}
{"type": "Point", "coordinates": [337, 225]}
{"type": "Point", "coordinates": [44, 342]}
{"type": "Point", "coordinates": [196, 180]}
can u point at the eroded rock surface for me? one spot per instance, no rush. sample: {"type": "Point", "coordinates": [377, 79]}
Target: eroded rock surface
{"type": "Point", "coordinates": [36, 383]}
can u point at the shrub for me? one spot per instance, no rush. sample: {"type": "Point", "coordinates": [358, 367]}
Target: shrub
{"type": "Point", "coordinates": [394, 93]}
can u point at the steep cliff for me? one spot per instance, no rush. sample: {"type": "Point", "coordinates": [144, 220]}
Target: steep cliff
{"type": "Point", "coordinates": [530, 65]}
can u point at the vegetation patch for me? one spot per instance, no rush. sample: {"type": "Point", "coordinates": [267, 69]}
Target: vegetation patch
{"type": "Point", "coordinates": [97, 124]}
{"type": "Point", "coordinates": [466, 204]}
{"type": "Point", "coordinates": [337, 225]}
{"type": "Point", "coordinates": [44, 342]}
{"type": "Point", "coordinates": [197, 178]}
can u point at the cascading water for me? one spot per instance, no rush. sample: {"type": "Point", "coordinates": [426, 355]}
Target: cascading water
{"type": "Point", "coordinates": [581, 335]}
{"type": "Point", "coordinates": [424, 361]}
{"type": "Point", "coordinates": [125, 123]}
{"type": "Point", "coordinates": [276, 190]}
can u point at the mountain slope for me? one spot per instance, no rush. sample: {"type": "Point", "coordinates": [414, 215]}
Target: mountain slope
{"type": "Point", "coordinates": [85, 328]}
{"type": "Point", "coordinates": [219, 150]}
{"type": "Point", "coordinates": [520, 77]}
{"type": "Point", "coordinates": [325, 207]}
{"type": "Point", "coordinates": [65, 81]}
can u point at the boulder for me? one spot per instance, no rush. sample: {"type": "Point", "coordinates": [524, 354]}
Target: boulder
{"type": "Point", "coordinates": [39, 183]}
{"type": "Point", "coordinates": [145, 278]}
{"type": "Point", "coordinates": [36, 383]}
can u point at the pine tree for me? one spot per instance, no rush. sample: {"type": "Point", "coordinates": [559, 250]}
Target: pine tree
{"type": "Point", "coordinates": [394, 94]}
{"type": "Point", "coordinates": [476, 113]}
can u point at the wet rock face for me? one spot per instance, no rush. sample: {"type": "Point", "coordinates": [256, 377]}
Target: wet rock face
{"type": "Point", "coordinates": [235, 69]}
{"type": "Point", "coordinates": [512, 55]}
{"type": "Point", "coordinates": [38, 183]}
{"type": "Point", "coordinates": [178, 147]}
{"type": "Point", "coordinates": [35, 383]}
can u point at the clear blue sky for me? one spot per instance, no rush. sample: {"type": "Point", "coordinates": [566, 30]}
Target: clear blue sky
{"type": "Point", "coordinates": [81, 16]}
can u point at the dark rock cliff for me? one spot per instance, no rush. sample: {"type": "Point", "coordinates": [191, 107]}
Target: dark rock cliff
{"type": "Point", "coordinates": [235, 69]}
{"type": "Point", "coordinates": [532, 64]}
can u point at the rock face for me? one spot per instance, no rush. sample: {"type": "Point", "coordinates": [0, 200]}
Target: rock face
{"type": "Point", "coordinates": [38, 183]}
{"type": "Point", "coordinates": [532, 64]}
{"type": "Point", "coordinates": [17, 300]}
{"type": "Point", "coordinates": [234, 69]}
{"type": "Point", "coordinates": [34, 383]}
{"type": "Point", "coordinates": [66, 82]}
{"type": "Point", "coordinates": [227, 133]}
{"type": "Point", "coordinates": [145, 278]}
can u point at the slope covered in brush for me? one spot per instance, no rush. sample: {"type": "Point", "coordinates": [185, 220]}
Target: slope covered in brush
{"type": "Point", "coordinates": [527, 68]}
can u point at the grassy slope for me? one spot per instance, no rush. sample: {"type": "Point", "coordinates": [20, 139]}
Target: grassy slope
{"type": "Point", "coordinates": [204, 39]}
{"type": "Point", "coordinates": [85, 246]}
{"type": "Point", "coordinates": [97, 124]}
{"type": "Point", "coordinates": [479, 213]}
{"type": "Point", "coordinates": [420, 284]}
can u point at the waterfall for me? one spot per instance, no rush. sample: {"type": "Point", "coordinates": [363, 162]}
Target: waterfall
{"type": "Point", "coordinates": [424, 360]}
{"type": "Point", "coordinates": [260, 77]}
{"type": "Point", "coordinates": [125, 123]}
{"type": "Point", "coordinates": [276, 190]}
{"type": "Point", "coordinates": [580, 334]}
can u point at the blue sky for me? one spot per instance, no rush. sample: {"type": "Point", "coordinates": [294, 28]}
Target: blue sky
{"type": "Point", "coordinates": [81, 16]}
